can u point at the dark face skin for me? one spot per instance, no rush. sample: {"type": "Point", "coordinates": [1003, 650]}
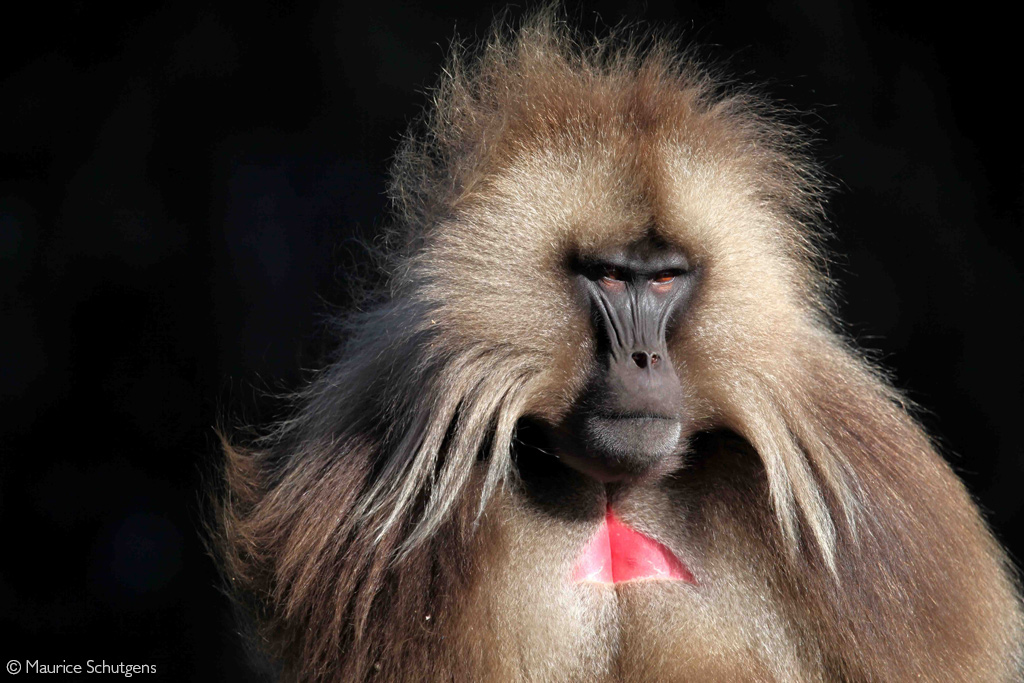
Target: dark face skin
{"type": "Point", "coordinates": [629, 421]}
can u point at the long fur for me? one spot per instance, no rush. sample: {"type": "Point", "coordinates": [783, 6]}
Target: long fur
{"type": "Point", "coordinates": [363, 535]}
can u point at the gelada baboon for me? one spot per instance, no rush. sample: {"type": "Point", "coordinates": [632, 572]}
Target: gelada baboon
{"type": "Point", "coordinates": [599, 425]}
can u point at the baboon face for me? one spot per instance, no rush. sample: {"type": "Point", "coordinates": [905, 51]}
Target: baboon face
{"type": "Point", "coordinates": [630, 418]}
{"type": "Point", "coordinates": [637, 270]}
{"type": "Point", "coordinates": [596, 277]}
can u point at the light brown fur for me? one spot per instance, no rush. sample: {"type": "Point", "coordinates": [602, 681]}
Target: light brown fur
{"type": "Point", "coordinates": [384, 530]}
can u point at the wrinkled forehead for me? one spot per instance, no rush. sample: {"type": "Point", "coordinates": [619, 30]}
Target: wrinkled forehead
{"type": "Point", "coordinates": [594, 191]}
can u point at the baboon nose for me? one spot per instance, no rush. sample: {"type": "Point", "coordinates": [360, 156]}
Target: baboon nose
{"type": "Point", "coordinates": [642, 359]}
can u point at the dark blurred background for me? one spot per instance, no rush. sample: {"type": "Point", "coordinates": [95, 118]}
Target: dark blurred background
{"type": "Point", "coordinates": [180, 186]}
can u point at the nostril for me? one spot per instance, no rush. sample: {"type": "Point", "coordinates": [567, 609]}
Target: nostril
{"type": "Point", "coordinates": [640, 358]}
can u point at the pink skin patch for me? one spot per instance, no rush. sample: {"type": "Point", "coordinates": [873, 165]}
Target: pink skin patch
{"type": "Point", "coordinates": [617, 553]}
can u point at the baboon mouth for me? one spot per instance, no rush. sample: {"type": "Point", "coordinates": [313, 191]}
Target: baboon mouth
{"type": "Point", "coordinates": [616, 447]}
{"type": "Point", "coordinates": [618, 553]}
{"type": "Point", "coordinates": [631, 437]}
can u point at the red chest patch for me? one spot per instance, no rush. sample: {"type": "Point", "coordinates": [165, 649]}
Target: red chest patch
{"type": "Point", "coordinates": [617, 553]}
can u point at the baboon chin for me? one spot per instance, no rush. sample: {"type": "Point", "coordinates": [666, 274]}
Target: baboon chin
{"type": "Point", "coordinates": [599, 424]}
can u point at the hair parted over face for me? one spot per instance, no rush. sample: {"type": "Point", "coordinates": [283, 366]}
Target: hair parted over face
{"type": "Point", "coordinates": [600, 424]}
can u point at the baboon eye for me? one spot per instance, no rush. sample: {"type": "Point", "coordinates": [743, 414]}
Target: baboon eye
{"type": "Point", "coordinates": [664, 277]}
{"type": "Point", "coordinates": [613, 279]}
{"type": "Point", "coordinates": [612, 274]}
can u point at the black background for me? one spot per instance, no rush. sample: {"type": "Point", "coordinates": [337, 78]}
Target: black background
{"type": "Point", "coordinates": [179, 191]}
